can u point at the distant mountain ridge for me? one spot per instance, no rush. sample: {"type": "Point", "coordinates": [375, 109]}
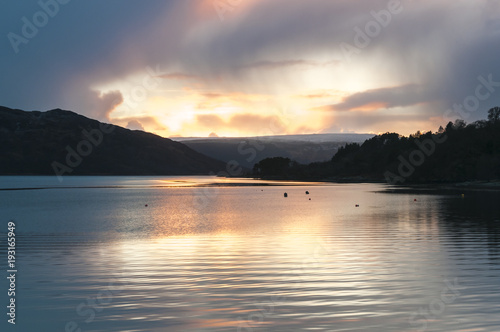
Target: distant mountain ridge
{"type": "Point", "coordinates": [311, 138]}
{"type": "Point", "coordinates": [63, 142]}
{"type": "Point", "coordinates": [248, 151]}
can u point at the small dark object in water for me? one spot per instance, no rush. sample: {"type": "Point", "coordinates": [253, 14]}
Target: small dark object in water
{"type": "Point", "coordinates": [146, 205]}
{"type": "Point", "coordinates": [309, 199]}
{"type": "Point", "coordinates": [357, 205]}
{"type": "Point", "coordinates": [307, 192]}
{"type": "Point", "coordinates": [415, 200]}
{"type": "Point", "coordinates": [286, 195]}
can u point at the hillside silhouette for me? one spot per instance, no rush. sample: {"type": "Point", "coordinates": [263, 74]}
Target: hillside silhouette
{"type": "Point", "coordinates": [65, 143]}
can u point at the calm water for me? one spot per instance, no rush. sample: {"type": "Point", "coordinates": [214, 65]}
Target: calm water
{"type": "Point", "coordinates": [235, 257]}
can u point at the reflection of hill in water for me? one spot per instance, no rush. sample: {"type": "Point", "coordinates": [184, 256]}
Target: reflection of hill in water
{"type": "Point", "coordinates": [473, 219]}
{"type": "Point", "coordinates": [470, 222]}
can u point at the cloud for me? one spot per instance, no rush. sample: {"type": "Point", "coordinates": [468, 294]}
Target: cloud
{"type": "Point", "coordinates": [178, 76]}
{"type": "Point", "coordinates": [285, 63]}
{"type": "Point", "coordinates": [401, 96]}
{"type": "Point", "coordinates": [319, 94]}
{"type": "Point", "coordinates": [145, 123]}
{"type": "Point", "coordinates": [211, 95]}
{"type": "Point", "coordinates": [316, 96]}
{"type": "Point", "coordinates": [102, 104]}
{"type": "Point", "coordinates": [135, 125]}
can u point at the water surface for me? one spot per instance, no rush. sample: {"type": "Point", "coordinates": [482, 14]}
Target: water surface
{"type": "Point", "coordinates": [210, 254]}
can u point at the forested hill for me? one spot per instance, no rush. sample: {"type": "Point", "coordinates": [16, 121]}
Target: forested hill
{"type": "Point", "coordinates": [457, 153]}
{"type": "Point", "coordinates": [63, 142]}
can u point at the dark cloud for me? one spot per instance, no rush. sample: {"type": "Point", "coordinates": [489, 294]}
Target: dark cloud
{"type": "Point", "coordinates": [400, 96]}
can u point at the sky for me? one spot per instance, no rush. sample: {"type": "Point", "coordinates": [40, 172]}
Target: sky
{"type": "Point", "coordinates": [254, 67]}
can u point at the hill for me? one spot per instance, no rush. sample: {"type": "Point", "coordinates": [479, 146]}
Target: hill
{"type": "Point", "coordinates": [63, 142]}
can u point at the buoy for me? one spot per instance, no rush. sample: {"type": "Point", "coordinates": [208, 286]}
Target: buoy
{"type": "Point", "coordinates": [286, 195]}
{"type": "Point", "coordinates": [309, 199]}
{"type": "Point", "coordinates": [357, 205]}
{"type": "Point", "coordinates": [146, 205]}
{"type": "Point", "coordinates": [307, 192]}
{"type": "Point", "coordinates": [415, 200]}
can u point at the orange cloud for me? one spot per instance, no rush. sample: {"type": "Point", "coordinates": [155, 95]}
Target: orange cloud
{"type": "Point", "coordinates": [376, 105]}
{"type": "Point", "coordinates": [135, 125]}
{"type": "Point", "coordinates": [315, 96]}
{"type": "Point", "coordinates": [147, 123]}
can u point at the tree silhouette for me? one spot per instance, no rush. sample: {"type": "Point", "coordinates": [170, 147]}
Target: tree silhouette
{"type": "Point", "coordinates": [273, 166]}
{"type": "Point", "coordinates": [494, 114]}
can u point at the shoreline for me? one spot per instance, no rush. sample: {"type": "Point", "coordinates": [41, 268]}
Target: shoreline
{"type": "Point", "coordinates": [469, 185]}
